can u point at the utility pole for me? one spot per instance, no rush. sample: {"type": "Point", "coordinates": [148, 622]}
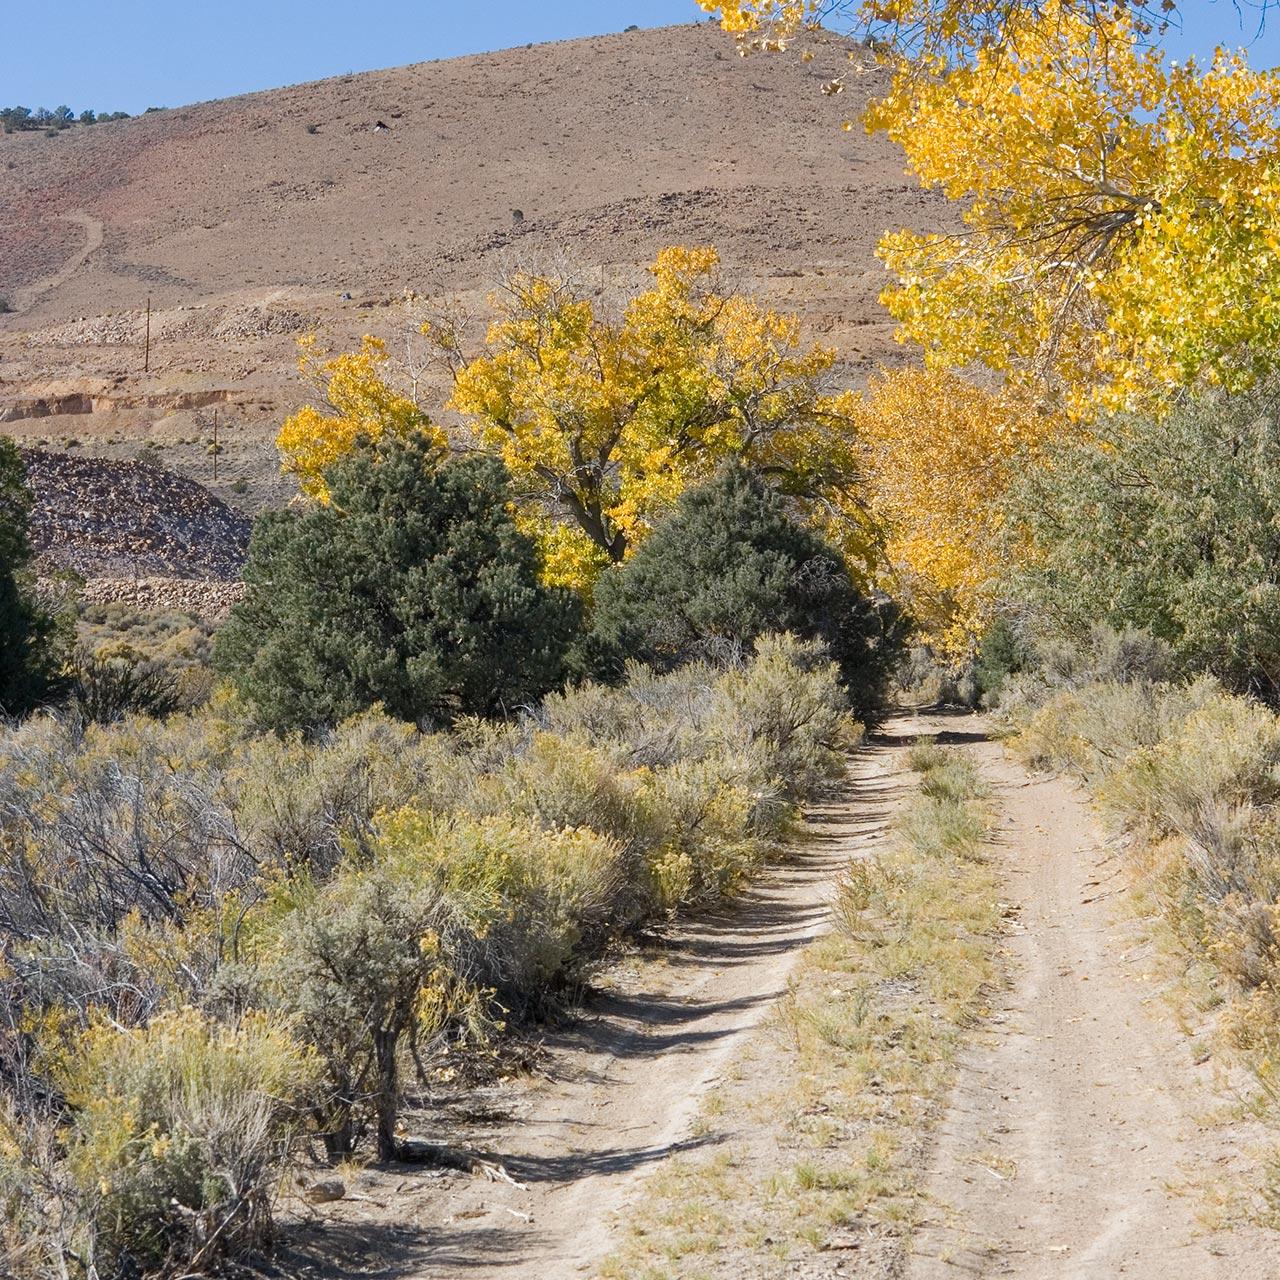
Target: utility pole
{"type": "Point", "coordinates": [215, 446]}
{"type": "Point", "coordinates": [146, 358]}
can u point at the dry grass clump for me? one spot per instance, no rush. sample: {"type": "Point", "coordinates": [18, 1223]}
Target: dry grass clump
{"type": "Point", "coordinates": [256, 939]}
{"type": "Point", "coordinates": [926, 911]}
{"type": "Point", "coordinates": [119, 630]}
{"type": "Point", "coordinates": [1192, 774]}
{"type": "Point", "coordinates": [134, 661]}
{"type": "Point", "coordinates": [925, 754]}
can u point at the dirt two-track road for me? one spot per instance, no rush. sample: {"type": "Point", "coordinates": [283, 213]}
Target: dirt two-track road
{"type": "Point", "coordinates": [1078, 1143]}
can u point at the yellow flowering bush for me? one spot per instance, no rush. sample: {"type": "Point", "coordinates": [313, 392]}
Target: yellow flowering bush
{"type": "Point", "coordinates": [177, 1133]}
{"type": "Point", "coordinates": [538, 902]}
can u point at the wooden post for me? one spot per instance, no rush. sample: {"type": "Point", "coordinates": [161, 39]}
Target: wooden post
{"type": "Point", "coordinates": [146, 357]}
{"type": "Point", "coordinates": [215, 446]}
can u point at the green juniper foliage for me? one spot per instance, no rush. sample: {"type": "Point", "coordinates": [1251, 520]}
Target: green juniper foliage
{"type": "Point", "coordinates": [1172, 526]}
{"type": "Point", "coordinates": [412, 587]}
{"type": "Point", "coordinates": [727, 566]}
{"type": "Point", "coordinates": [30, 644]}
{"type": "Point", "coordinates": [1003, 652]}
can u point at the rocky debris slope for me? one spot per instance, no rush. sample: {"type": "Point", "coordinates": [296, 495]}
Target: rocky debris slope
{"type": "Point", "coordinates": [199, 597]}
{"type": "Point", "coordinates": [131, 519]}
{"type": "Point", "coordinates": [195, 323]}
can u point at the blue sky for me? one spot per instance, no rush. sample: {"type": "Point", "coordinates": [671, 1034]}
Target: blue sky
{"type": "Point", "coordinates": [128, 54]}
{"type": "Point", "coordinates": [1206, 23]}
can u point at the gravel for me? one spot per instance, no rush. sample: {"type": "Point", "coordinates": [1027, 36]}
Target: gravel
{"type": "Point", "coordinates": [131, 519]}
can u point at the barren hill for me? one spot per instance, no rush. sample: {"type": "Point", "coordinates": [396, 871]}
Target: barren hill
{"type": "Point", "coordinates": [248, 220]}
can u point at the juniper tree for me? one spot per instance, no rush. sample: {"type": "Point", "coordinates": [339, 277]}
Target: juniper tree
{"type": "Point", "coordinates": [30, 649]}
{"type": "Point", "coordinates": [409, 586]}
{"type": "Point", "coordinates": [728, 565]}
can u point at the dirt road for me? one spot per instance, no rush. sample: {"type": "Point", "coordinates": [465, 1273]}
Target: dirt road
{"type": "Point", "coordinates": [633, 1076]}
{"type": "Point", "coordinates": [625, 1081]}
{"type": "Point", "coordinates": [1077, 1115]}
{"type": "Point", "coordinates": [1079, 1111]}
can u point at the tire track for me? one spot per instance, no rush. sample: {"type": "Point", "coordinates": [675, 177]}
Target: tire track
{"type": "Point", "coordinates": [1078, 1109]}
{"type": "Point", "coordinates": [94, 233]}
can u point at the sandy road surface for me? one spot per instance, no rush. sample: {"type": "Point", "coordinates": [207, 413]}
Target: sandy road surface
{"type": "Point", "coordinates": [1078, 1111]}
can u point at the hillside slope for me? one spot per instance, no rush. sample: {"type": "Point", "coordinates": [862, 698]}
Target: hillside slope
{"type": "Point", "coordinates": [249, 220]}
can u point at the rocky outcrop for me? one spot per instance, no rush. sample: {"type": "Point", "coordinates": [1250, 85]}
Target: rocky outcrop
{"type": "Point", "coordinates": [52, 405]}
{"type": "Point", "coordinates": [45, 406]}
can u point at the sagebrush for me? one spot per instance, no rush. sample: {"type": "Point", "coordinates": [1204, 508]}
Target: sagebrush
{"type": "Point", "coordinates": [218, 944]}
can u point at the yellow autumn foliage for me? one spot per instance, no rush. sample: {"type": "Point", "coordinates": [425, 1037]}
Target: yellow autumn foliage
{"type": "Point", "coordinates": [359, 401]}
{"type": "Point", "coordinates": [603, 422]}
{"type": "Point", "coordinates": [939, 453]}
{"type": "Point", "coordinates": [1122, 215]}
{"type": "Point", "coordinates": [1122, 211]}
{"type": "Point", "coordinates": [914, 28]}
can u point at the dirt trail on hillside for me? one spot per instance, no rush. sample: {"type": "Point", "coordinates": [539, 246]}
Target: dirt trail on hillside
{"type": "Point", "coordinates": [94, 234]}
{"type": "Point", "coordinates": [1078, 1110]}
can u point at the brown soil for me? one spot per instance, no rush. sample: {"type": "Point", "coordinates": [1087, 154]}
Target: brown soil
{"type": "Point", "coordinates": [248, 220]}
{"type": "Point", "coordinates": [1077, 1144]}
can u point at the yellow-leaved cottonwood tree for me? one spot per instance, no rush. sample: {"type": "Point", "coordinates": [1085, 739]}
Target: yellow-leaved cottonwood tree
{"type": "Point", "coordinates": [1122, 212]}
{"type": "Point", "coordinates": [603, 422]}
{"type": "Point", "coordinates": [915, 33]}
{"type": "Point", "coordinates": [1121, 238]}
{"type": "Point", "coordinates": [939, 452]}
{"type": "Point", "coordinates": [359, 402]}
{"type": "Point", "coordinates": [1122, 215]}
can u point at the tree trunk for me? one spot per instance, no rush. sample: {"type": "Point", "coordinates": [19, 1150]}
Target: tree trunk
{"type": "Point", "coordinates": [339, 1132]}
{"type": "Point", "coordinates": [384, 1049]}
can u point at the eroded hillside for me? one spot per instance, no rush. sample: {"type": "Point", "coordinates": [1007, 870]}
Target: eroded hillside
{"type": "Point", "coordinates": [250, 220]}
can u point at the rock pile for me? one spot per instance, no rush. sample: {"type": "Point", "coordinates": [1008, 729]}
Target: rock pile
{"type": "Point", "coordinates": [258, 322]}
{"type": "Point", "coordinates": [200, 597]}
{"type": "Point", "coordinates": [175, 324]}
{"type": "Point", "coordinates": [130, 520]}
{"type": "Point", "coordinates": [96, 331]}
